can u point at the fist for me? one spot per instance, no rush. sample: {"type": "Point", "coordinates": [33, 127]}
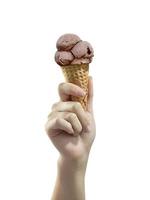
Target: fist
{"type": "Point", "coordinates": [70, 128]}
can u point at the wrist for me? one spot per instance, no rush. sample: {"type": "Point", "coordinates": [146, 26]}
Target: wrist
{"type": "Point", "coordinates": [74, 166]}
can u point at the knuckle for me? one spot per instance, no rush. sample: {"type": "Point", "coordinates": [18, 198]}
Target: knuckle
{"type": "Point", "coordinates": [50, 115]}
{"type": "Point", "coordinates": [72, 116]}
{"type": "Point", "coordinates": [57, 121]}
{"type": "Point", "coordinates": [77, 106]}
{"type": "Point", "coordinates": [61, 86]}
{"type": "Point", "coordinates": [54, 106]}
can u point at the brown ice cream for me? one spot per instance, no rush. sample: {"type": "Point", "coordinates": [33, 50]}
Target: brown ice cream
{"type": "Point", "coordinates": [67, 41]}
{"type": "Point", "coordinates": [64, 57]}
{"type": "Point", "coordinates": [72, 50]}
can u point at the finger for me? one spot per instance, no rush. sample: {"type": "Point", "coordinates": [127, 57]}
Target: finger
{"type": "Point", "coordinates": [59, 124]}
{"type": "Point", "coordinates": [71, 118]}
{"type": "Point", "coordinates": [90, 95]}
{"type": "Point", "coordinates": [74, 121]}
{"type": "Point", "coordinates": [74, 107]}
{"type": "Point", "coordinates": [67, 89]}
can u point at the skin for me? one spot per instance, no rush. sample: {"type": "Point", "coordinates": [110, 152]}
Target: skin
{"type": "Point", "coordinates": [72, 131]}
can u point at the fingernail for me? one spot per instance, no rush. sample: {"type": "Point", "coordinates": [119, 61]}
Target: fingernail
{"type": "Point", "coordinates": [71, 131]}
{"type": "Point", "coordinates": [83, 93]}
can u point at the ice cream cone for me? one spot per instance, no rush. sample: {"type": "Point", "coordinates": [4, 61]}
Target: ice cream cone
{"type": "Point", "coordinates": [78, 74]}
{"type": "Point", "coordinates": [74, 55]}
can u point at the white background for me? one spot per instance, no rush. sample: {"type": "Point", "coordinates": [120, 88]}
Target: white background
{"type": "Point", "coordinates": [119, 165]}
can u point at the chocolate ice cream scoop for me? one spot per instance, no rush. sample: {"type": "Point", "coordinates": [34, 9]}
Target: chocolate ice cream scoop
{"type": "Point", "coordinates": [63, 57]}
{"type": "Point", "coordinates": [82, 49]}
{"type": "Point", "coordinates": [67, 41]}
{"type": "Point", "coordinates": [72, 50]}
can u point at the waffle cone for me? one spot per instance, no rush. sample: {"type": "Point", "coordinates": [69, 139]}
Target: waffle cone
{"type": "Point", "coordinates": [78, 74]}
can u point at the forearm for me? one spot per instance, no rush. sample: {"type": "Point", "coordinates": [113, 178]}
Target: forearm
{"type": "Point", "coordinates": [70, 183]}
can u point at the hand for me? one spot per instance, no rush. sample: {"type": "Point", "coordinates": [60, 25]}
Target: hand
{"type": "Point", "coordinates": [70, 128]}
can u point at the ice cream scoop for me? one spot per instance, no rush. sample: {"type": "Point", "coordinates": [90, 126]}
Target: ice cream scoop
{"type": "Point", "coordinates": [82, 49]}
{"type": "Point", "coordinates": [67, 41]}
{"type": "Point", "coordinates": [64, 57]}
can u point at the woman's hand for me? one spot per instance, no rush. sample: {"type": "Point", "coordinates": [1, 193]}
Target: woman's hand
{"type": "Point", "coordinates": [70, 128]}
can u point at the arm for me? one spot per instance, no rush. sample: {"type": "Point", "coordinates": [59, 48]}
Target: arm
{"type": "Point", "coordinates": [72, 131]}
{"type": "Point", "coordinates": [70, 181]}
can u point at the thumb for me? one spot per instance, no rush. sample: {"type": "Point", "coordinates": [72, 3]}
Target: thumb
{"type": "Point", "coordinates": [90, 95]}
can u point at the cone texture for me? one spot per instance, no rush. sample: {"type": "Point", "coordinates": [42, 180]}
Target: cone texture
{"type": "Point", "coordinates": [78, 74]}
